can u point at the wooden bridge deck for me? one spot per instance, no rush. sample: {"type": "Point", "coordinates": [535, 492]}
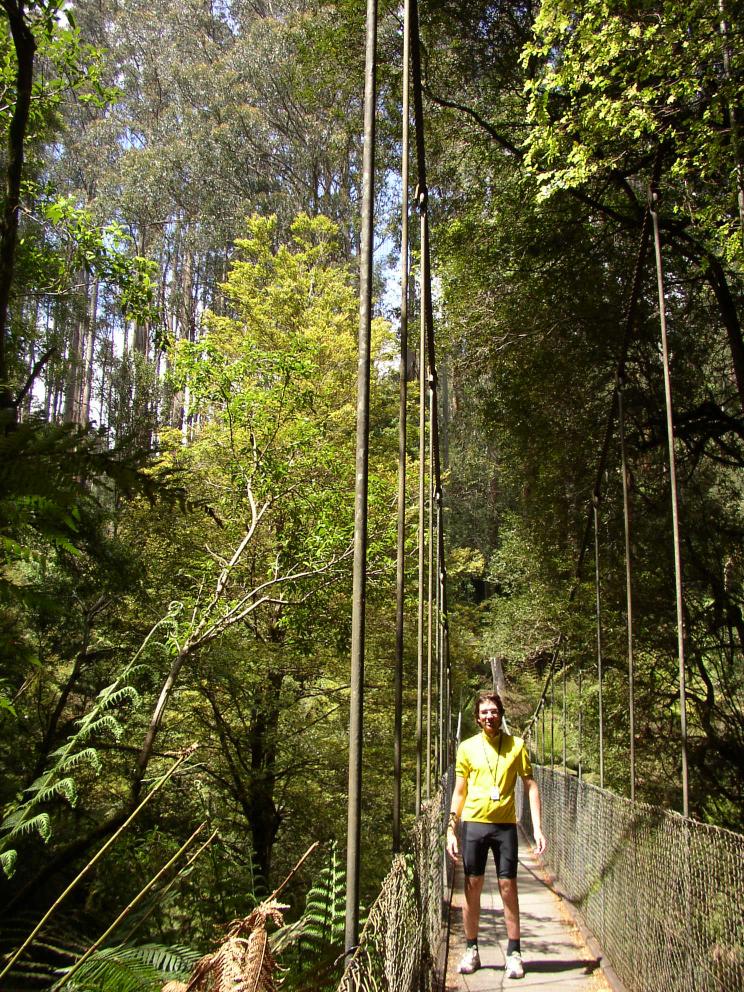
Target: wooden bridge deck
{"type": "Point", "coordinates": [554, 952]}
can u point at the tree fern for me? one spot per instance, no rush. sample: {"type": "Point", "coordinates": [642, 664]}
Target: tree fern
{"type": "Point", "coordinates": [56, 782]}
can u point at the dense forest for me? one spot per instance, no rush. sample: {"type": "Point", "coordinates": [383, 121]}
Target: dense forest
{"type": "Point", "coordinates": [179, 243]}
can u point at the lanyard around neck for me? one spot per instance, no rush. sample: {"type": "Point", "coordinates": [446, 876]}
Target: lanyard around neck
{"type": "Point", "coordinates": [498, 756]}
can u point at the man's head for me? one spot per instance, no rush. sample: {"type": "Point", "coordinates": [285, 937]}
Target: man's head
{"type": "Point", "coordinates": [489, 711]}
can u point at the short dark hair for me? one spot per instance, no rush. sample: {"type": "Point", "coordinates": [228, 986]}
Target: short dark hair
{"type": "Point", "coordinates": [487, 696]}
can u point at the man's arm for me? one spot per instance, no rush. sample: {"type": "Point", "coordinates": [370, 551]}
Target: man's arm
{"type": "Point", "coordinates": [458, 801]}
{"type": "Point", "coordinates": [533, 792]}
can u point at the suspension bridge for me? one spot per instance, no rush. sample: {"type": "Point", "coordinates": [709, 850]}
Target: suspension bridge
{"type": "Point", "coordinates": [658, 895]}
{"type": "Point", "coordinates": [627, 895]}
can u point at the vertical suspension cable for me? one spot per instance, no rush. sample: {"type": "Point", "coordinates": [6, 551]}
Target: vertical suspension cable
{"type": "Point", "coordinates": [628, 586]}
{"type": "Point", "coordinates": [426, 355]}
{"type": "Point", "coordinates": [429, 591]}
{"type": "Point", "coordinates": [421, 556]}
{"type": "Point", "coordinates": [442, 573]}
{"type": "Point", "coordinates": [564, 723]}
{"type": "Point", "coordinates": [438, 643]}
{"type": "Point", "coordinates": [542, 712]}
{"type": "Point", "coordinates": [599, 642]}
{"type": "Point", "coordinates": [435, 662]}
{"type": "Point", "coordinates": [445, 650]}
{"type": "Point", "coordinates": [654, 200]}
{"type": "Point", "coordinates": [552, 720]}
{"type": "Point", "coordinates": [580, 729]}
{"type": "Point", "coordinates": [427, 320]}
{"type": "Point", "coordinates": [400, 568]}
{"type": "Point", "coordinates": [353, 833]}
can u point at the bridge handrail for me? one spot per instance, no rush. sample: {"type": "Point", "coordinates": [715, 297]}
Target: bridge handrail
{"type": "Point", "coordinates": [400, 946]}
{"type": "Point", "coordinates": [663, 894]}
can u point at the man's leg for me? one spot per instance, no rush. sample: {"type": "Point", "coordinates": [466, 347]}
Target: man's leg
{"type": "Point", "coordinates": [513, 967]}
{"type": "Point", "coordinates": [471, 909]}
{"type": "Point", "coordinates": [510, 899]}
{"type": "Point", "coordinates": [474, 854]}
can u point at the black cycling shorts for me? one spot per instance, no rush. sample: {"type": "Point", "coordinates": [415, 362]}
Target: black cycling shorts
{"type": "Point", "coordinates": [476, 839]}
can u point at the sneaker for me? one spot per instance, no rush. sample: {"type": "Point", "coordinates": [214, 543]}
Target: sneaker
{"type": "Point", "coordinates": [470, 961]}
{"type": "Point", "coordinates": [514, 967]}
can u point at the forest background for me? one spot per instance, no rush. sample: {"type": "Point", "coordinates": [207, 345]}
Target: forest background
{"type": "Point", "coordinates": [178, 327]}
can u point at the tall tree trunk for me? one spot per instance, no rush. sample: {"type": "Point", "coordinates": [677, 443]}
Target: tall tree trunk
{"type": "Point", "coordinates": [264, 818]}
{"type": "Point", "coordinates": [76, 360]}
{"type": "Point", "coordinates": [141, 328]}
{"type": "Point", "coordinates": [25, 410]}
{"type": "Point", "coordinates": [187, 331]}
{"type": "Point", "coordinates": [50, 366]}
{"type": "Point", "coordinates": [25, 48]}
{"type": "Point", "coordinates": [90, 341]}
{"type": "Point", "coordinates": [107, 381]}
{"type": "Point", "coordinates": [57, 400]}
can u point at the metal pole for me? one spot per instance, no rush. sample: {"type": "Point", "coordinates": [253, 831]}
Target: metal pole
{"type": "Point", "coordinates": [654, 199]}
{"type": "Point", "coordinates": [599, 642]}
{"type": "Point", "coordinates": [400, 573]}
{"type": "Point", "coordinates": [359, 583]}
{"type": "Point", "coordinates": [628, 587]}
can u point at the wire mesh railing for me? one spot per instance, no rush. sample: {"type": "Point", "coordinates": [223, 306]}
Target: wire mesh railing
{"type": "Point", "coordinates": [402, 942]}
{"type": "Point", "coordinates": [663, 895]}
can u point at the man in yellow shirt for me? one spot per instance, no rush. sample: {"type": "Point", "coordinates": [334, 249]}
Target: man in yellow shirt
{"type": "Point", "coordinates": [483, 804]}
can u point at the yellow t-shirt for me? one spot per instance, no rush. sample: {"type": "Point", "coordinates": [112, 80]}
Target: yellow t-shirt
{"type": "Point", "coordinates": [485, 764]}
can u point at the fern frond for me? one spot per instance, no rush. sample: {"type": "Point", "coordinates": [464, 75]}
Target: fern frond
{"type": "Point", "coordinates": [39, 823]}
{"type": "Point", "coordinates": [106, 722]}
{"type": "Point", "coordinates": [324, 919]}
{"type": "Point", "coordinates": [172, 958]}
{"type": "Point", "coordinates": [63, 543]}
{"type": "Point", "coordinates": [124, 694]}
{"type": "Point", "coordinates": [133, 969]}
{"type": "Point", "coordinates": [62, 787]}
{"type": "Point", "coordinates": [71, 761]}
{"type": "Point", "coordinates": [8, 862]}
